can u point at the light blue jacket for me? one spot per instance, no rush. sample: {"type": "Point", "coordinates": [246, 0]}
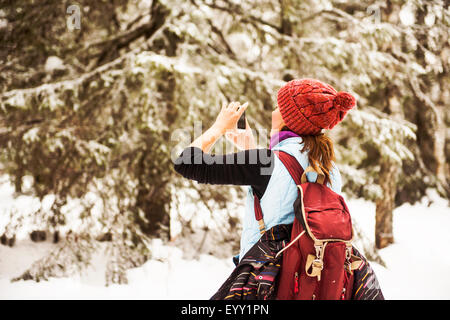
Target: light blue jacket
{"type": "Point", "coordinates": [280, 194]}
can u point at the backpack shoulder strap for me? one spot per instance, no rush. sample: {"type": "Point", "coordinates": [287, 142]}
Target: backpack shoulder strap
{"type": "Point", "coordinates": [295, 170]}
{"type": "Point", "coordinates": [258, 214]}
{"type": "Point", "coordinates": [291, 164]}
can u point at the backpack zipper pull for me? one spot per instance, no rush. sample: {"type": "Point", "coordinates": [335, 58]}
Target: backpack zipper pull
{"type": "Point", "coordinates": [296, 283]}
{"type": "Point", "coordinates": [343, 294]}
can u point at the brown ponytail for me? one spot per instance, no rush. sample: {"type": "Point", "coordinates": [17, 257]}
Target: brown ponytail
{"type": "Point", "coordinates": [320, 152]}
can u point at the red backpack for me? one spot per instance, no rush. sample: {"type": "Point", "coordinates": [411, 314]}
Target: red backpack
{"type": "Point", "coordinates": [318, 262]}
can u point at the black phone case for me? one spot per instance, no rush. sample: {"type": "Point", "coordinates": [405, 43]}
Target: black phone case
{"type": "Point", "coordinates": [241, 121]}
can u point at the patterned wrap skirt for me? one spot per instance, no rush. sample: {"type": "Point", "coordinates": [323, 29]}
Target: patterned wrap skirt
{"type": "Point", "coordinates": [255, 276]}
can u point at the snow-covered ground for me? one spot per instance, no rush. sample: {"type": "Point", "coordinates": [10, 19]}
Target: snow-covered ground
{"type": "Point", "coordinates": [418, 264]}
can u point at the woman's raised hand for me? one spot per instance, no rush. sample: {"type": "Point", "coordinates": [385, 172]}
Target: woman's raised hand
{"type": "Point", "coordinates": [229, 116]}
{"type": "Point", "coordinates": [242, 139]}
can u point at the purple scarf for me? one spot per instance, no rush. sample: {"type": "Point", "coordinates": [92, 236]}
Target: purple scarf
{"type": "Point", "coordinates": [280, 136]}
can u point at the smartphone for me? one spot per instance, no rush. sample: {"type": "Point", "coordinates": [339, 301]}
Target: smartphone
{"type": "Point", "coordinates": [241, 121]}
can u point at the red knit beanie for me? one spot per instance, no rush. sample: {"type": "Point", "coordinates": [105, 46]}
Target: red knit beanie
{"type": "Point", "coordinates": [307, 105]}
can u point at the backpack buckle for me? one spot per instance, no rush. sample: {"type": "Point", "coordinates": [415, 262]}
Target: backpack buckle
{"type": "Point", "coordinates": [319, 251]}
{"type": "Point", "coordinates": [314, 266]}
{"type": "Point", "coordinates": [348, 253]}
{"type": "Point", "coordinates": [315, 263]}
{"type": "Point", "coordinates": [349, 266]}
{"type": "Point", "coordinates": [317, 267]}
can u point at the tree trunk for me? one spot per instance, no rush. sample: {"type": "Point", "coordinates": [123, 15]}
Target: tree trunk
{"type": "Point", "coordinates": [389, 170]}
{"type": "Point", "coordinates": [430, 92]}
{"type": "Point", "coordinates": [385, 205]}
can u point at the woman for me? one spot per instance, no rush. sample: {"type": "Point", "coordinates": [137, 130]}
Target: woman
{"type": "Point", "coordinates": [305, 108]}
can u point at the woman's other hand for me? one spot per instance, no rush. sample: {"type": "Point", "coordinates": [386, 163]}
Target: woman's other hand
{"type": "Point", "coordinates": [242, 139]}
{"type": "Point", "coordinates": [229, 116]}
{"type": "Point", "coordinates": [226, 121]}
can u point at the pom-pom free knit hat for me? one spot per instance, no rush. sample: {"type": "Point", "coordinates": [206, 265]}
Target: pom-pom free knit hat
{"type": "Point", "coordinates": [307, 105]}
